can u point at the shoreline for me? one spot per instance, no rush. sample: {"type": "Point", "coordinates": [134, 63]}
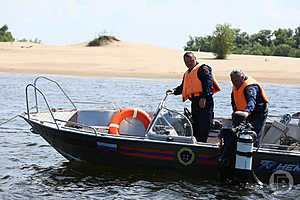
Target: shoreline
{"type": "Point", "coordinates": [288, 84]}
{"type": "Point", "coordinates": [134, 60]}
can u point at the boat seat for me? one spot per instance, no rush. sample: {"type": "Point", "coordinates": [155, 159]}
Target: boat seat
{"type": "Point", "coordinates": [60, 115]}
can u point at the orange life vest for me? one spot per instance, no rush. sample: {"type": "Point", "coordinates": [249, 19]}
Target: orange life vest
{"type": "Point", "coordinates": [193, 86]}
{"type": "Point", "coordinates": [239, 96]}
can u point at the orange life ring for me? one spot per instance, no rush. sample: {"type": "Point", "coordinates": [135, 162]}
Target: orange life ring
{"type": "Point", "coordinates": [128, 113]}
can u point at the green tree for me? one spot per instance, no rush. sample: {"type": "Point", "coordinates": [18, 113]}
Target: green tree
{"type": "Point", "coordinates": [191, 45]}
{"type": "Point", "coordinates": [199, 44]}
{"type": "Point", "coordinates": [263, 37]}
{"type": "Point", "coordinates": [283, 36]}
{"type": "Point", "coordinates": [282, 50]}
{"type": "Point", "coordinates": [294, 53]}
{"type": "Point", "coordinates": [241, 39]}
{"type": "Point", "coordinates": [4, 35]}
{"type": "Point", "coordinates": [258, 49]}
{"type": "Point", "coordinates": [3, 29]}
{"type": "Point", "coordinates": [241, 42]}
{"type": "Point", "coordinates": [296, 38]}
{"type": "Point", "coordinates": [281, 42]}
{"type": "Point", "coordinates": [223, 40]}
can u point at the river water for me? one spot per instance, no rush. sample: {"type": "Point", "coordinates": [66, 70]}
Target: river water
{"type": "Point", "coordinates": [32, 169]}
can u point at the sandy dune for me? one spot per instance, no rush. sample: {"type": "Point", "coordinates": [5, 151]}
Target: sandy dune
{"type": "Point", "coordinates": [123, 59]}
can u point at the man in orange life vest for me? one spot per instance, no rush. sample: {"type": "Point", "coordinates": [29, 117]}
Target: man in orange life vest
{"type": "Point", "coordinates": [248, 100]}
{"type": "Point", "coordinates": [198, 85]}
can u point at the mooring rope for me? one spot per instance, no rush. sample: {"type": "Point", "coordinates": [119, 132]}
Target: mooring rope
{"type": "Point", "coordinates": [10, 119]}
{"type": "Point", "coordinates": [14, 117]}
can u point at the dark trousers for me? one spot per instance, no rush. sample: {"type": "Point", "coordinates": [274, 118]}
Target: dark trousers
{"type": "Point", "coordinates": [202, 118]}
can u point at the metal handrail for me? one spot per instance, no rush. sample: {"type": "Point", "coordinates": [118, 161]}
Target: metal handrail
{"type": "Point", "coordinates": [39, 77]}
{"type": "Point", "coordinates": [27, 104]}
{"type": "Point", "coordinates": [54, 119]}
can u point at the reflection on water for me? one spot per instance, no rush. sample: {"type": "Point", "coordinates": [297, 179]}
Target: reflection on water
{"type": "Point", "coordinates": [32, 169]}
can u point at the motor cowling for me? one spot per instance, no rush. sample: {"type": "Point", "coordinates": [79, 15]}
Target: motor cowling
{"type": "Point", "coordinates": [227, 154]}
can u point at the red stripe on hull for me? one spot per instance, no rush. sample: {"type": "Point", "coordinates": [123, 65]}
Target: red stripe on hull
{"type": "Point", "coordinates": [146, 150]}
{"type": "Point", "coordinates": [205, 156]}
{"type": "Point", "coordinates": [107, 151]}
{"type": "Point", "coordinates": [147, 156]}
{"type": "Point", "coordinates": [207, 162]}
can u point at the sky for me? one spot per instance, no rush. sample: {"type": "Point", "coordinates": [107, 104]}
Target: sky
{"type": "Point", "coordinates": [166, 23]}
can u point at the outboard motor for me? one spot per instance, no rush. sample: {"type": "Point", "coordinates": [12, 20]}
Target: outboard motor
{"type": "Point", "coordinates": [235, 163]}
{"type": "Point", "coordinates": [227, 150]}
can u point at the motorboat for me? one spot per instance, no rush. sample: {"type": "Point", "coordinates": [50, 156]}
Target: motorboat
{"type": "Point", "coordinates": [162, 139]}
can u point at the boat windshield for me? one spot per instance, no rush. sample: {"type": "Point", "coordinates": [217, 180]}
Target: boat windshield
{"type": "Point", "coordinates": [170, 122]}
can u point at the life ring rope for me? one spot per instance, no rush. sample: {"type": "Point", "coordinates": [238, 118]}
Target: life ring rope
{"type": "Point", "coordinates": [128, 113]}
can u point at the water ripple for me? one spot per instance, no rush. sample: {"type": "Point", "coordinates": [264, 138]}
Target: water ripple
{"type": "Point", "coordinates": [31, 169]}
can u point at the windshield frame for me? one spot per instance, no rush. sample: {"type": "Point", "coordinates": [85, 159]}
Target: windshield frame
{"type": "Point", "coordinates": [161, 106]}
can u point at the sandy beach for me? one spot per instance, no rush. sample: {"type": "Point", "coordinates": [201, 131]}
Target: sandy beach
{"type": "Point", "coordinates": [124, 59]}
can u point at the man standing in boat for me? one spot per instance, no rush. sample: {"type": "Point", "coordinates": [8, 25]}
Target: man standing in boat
{"type": "Point", "coordinates": [248, 101]}
{"type": "Point", "coordinates": [198, 85]}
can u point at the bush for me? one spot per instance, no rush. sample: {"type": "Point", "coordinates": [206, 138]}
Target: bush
{"type": "Point", "coordinates": [36, 40]}
{"type": "Point", "coordinates": [294, 53]}
{"type": "Point", "coordinates": [297, 54]}
{"type": "Point", "coordinates": [102, 40]}
{"type": "Point", "coordinates": [22, 40]}
{"type": "Point", "coordinates": [259, 49]}
{"type": "Point", "coordinates": [282, 50]}
{"type": "Point", "coordinates": [223, 41]}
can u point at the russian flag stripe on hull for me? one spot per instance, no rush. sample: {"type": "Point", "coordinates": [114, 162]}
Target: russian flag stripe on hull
{"type": "Point", "coordinates": [107, 147]}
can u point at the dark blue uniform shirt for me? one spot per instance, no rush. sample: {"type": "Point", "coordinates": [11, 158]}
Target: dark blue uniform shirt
{"type": "Point", "coordinates": [205, 76]}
